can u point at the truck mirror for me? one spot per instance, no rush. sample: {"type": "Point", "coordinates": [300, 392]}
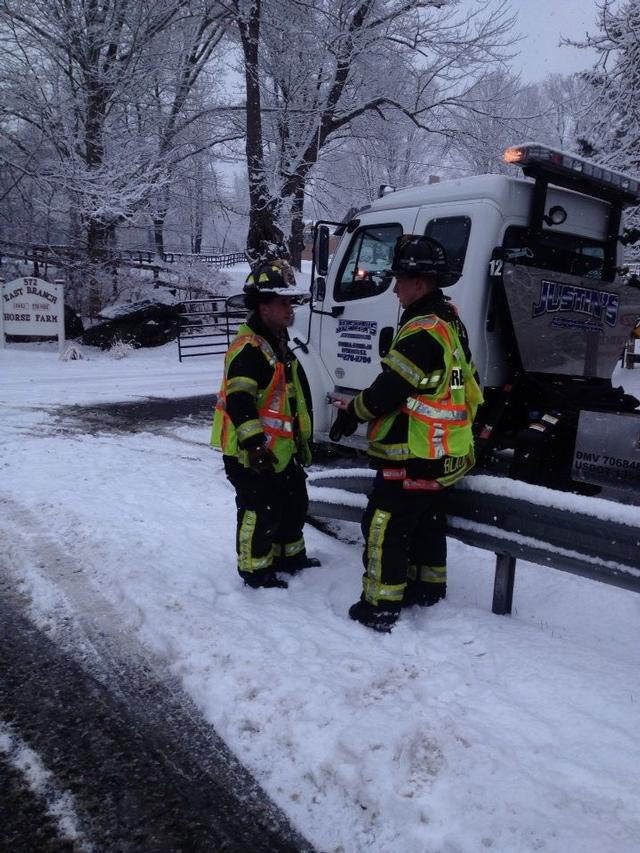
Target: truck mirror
{"type": "Point", "coordinates": [321, 250]}
{"type": "Point", "coordinates": [319, 289]}
{"type": "Point", "coordinates": [385, 340]}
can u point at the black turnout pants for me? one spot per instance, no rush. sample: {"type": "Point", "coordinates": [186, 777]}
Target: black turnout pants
{"type": "Point", "coordinates": [405, 540]}
{"type": "Point", "coordinates": [271, 513]}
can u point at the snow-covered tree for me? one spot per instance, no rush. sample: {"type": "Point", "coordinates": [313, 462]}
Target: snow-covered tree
{"type": "Point", "coordinates": [314, 69]}
{"type": "Point", "coordinates": [375, 152]}
{"type": "Point", "coordinates": [611, 132]}
{"type": "Point", "coordinates": [97, 100]}
{"type": "Point", "coordinates": [548, 112]}
{"type": "Point", "coordinates": [183, 107]}
{"type": "Point", "coordinates": [613, 114]}
{"type": "Point", "coordinates": [563, 100]}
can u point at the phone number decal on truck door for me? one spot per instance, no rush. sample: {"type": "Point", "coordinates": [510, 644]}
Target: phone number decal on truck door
{"type": "Point", "coordinates": [355, 340]}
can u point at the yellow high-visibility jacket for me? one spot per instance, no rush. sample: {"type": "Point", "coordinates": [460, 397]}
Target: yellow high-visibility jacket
{"type": "Point", "coordinates": [274, 410]}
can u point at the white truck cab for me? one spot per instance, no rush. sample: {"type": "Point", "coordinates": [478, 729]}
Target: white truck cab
{"type": "Point", "coordinates": [539, 289]}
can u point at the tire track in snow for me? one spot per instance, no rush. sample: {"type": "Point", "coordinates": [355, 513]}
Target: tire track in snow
{"type": "Point", "coordinates": [145, 771]}
{"type": "Point", "coordinates": [60, 818]}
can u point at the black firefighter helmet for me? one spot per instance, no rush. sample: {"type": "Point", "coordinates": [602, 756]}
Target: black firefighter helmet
{"type": "Point", "coordinates": [416, 255]}
{"type": "Point", "coordinates": [268, 280]}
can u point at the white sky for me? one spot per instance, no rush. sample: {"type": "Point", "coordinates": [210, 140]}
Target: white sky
{"type": "Point", "coordinates": [542, 23]}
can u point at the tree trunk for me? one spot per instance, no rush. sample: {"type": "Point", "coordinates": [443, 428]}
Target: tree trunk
{"type": "Point", "coordinates": [262, 225]}
{"type": "Point", "coordinates": [97, 231]}
{"type": "Point", "coordinates": [296, 238]}
{"type": "Point", "coordinates": [159, 217]}
{"type": "Point", "coordinates": [197, 216]}
{"type": "Point", "coordinates": [158, 233]}
{"type": "Point", "coordinates": [73, 270]}
{"type": "Point", "coordinates": [97, 256]}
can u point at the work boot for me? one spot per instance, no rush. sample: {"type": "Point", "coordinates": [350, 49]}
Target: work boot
{"type": "Point", "coordinates": [263, 579]}
{"type": "Point", "coordinates": [423, 594]}
{"type": "Point", "coordinates": [293, 565]}
{"type": "Point", "coordinates": [380, 617]}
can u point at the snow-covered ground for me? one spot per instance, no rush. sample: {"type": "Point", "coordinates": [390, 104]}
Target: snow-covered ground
{"type": "Point", "coordinates": [460, 732]}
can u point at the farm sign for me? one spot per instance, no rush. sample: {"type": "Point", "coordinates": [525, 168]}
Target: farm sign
{"type": "Point", "coordinates": [32, 307]}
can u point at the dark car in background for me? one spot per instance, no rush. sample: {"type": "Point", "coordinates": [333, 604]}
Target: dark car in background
{"type": "Point", "coordinates": [147, 323]}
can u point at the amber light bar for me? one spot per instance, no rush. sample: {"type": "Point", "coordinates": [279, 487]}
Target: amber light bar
{"type": "Point", "coordinates": [560, 162]}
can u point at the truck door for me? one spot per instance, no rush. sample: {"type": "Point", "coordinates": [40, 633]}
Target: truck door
{"type": "Point", "coordinates": [360, 295]}
{"type": "Point", "coordinates": [469, 230]}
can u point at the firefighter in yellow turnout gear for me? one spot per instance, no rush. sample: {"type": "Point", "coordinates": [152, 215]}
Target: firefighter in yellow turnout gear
{"type": "Point", "coordinates": [420, 410]}
{"type": "Point", "coordinates": [262, 424]}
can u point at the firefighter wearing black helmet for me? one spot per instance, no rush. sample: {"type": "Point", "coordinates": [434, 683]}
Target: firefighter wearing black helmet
{"type": "Point", "coordinates": [262, 424]}
{"type": "Point", "coordinates": [420, 410]}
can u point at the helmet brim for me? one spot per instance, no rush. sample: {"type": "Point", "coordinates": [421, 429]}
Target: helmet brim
{"type": "Point", "coordinates": [443, 279]}
{"type": "Point", "coordinates": [296, 294]}
{"type": "Point", "coordinates": [254, 296]}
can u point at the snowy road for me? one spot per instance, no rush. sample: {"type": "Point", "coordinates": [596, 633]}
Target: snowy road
{"type": "Point", "coordinates": [100, 749]}
{"type": "Point", "coordinates": [119, 761]}
{"type": "Point", "coordinates": [115, 756]}
{"type": "Point", "coordinates": [152, 414]}
{"type": "Point", "coordinates": [461, 732]}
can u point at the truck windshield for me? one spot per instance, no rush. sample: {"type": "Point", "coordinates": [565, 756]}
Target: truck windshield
{"type": "Point", "coordinates": [553, 250]}
{"type": "Point", "coordinates": [364, 268]}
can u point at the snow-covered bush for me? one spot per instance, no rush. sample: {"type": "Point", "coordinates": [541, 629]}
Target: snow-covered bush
{"type": "Point", "coordinates": [72, 352]}
{"type": "Point", "coordinates": [120, 349]}
{"type": "Point", "coordinates": [180, 280]}
{"type": "Point", "coordinates": [198, 279]}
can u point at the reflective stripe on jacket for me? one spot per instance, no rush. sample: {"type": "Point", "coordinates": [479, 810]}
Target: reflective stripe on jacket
{"type": "Point", "coordinates": [273, 408]}
{"type": "Point", "coordinates": [440, 411]}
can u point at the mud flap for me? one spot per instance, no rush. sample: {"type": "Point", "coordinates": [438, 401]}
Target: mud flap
{"type": "Point", "coordinates": [544, 449]}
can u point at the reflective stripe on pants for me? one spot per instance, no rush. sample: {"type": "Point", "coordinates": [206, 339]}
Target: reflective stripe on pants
{"type": "Point", "coordinates": [402, 529]}
{"type": "Point", "coordinates": [272, 509]}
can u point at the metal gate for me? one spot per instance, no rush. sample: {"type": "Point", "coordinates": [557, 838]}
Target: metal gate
{"type": "Point", "coordinates": [207, 326]}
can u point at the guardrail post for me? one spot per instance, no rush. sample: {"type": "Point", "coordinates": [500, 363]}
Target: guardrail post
{"type": "Point", "coordinates": [503, 584]}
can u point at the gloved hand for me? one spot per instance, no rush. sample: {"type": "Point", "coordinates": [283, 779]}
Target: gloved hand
{"type": "Point", "coordinates": [346, 423]}
{"type": "Point", "coordinates": [262, 460]}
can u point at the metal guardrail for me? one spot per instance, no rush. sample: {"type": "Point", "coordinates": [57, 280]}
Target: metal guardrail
{"type": "Point", "coordinates": [582, 544]}
{"type": "Point", "coordinates": [207, 326]}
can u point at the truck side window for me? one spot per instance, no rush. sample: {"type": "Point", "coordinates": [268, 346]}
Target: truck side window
{"type": "Point", "coordinates": [558, 251]}
{"type": "Point", "coordinates": [452, 232]}
{"type": "Point", "coordinates": [364, 268]}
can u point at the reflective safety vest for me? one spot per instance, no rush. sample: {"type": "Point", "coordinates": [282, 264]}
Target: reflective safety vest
{"type": "Point", "coordinates": [273, 404]}
{"type": "Point", "coordinates": [440, 411]}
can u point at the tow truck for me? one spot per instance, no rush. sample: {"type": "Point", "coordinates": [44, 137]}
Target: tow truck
{"type": "Point", "coordinates": [542, 291]}
{"type": "Point", "coordinates": [549, 307]}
